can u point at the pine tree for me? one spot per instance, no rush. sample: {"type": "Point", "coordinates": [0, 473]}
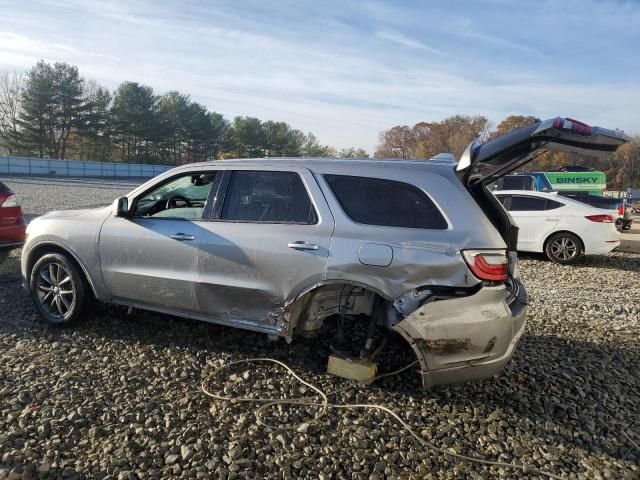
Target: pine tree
{"type": "Point", "coordinates": [52, 106]}
{"type": "Point", "coordinates": [37, 112]}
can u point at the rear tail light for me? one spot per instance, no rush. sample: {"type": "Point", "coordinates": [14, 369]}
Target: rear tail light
{"type": "Point", "coordinates": [573, 126]}
{"type": "Point", "coordinates": [11, 201]}
{"type": "Point", "coordinates": [600, 218]}
{"type": "Point", "coordinates": [489, 265]}
{"type": "Point", "coordinates": [621, 210]}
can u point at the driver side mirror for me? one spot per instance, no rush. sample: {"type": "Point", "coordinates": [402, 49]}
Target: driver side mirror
{"type": "Point", "coordinates": [121, 207]}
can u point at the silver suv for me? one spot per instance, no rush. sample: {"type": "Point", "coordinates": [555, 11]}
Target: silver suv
{"type": "Point", "coordinates": [281, 245]}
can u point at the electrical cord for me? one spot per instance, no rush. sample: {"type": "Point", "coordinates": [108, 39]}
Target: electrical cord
{"type": "Point", "coordinates": [325, 406]}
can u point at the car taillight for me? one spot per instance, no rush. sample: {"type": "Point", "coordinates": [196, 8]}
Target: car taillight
{"type": "Point", "coordinates": [11, 201]}
{"type": "Point", "coordinates": [573, 126]}
{"type": "Point", "coordinates": [621, 210]}
{"type": "Point", "coordinates": [489, 265]}
{"type": "Point", "coordinates": [600, 218]}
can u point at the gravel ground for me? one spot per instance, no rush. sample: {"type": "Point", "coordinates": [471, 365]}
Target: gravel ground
{"type": "Point", "coordinates": [119, 395]}
{"type": "Point", "coordinates": [42, 194]}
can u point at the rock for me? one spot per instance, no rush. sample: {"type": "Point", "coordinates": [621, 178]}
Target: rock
{"type": "Point", "coordinates": [186, 452]}
{"type": "Point", "coordinates": [118, 398]}
{"type": "Point", "coordinates": [15, 474]}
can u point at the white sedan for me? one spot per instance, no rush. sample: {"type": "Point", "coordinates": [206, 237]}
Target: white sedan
{"type": "Point", "coordinates": [562, 228]}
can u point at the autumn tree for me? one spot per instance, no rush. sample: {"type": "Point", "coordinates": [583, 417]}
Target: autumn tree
{"type": "Point", "coordinates": [624, 169]}
{"type": "Point", "coordinates": [451, 135]}
{"type": "Point", "coordinates": [397, 142]}
{"type": "Point", "coordinates": [426, 139]}
{"type": "Point", "coordinates": [11, 86]}
{"type": "Point", "coordinates": [513, 122]}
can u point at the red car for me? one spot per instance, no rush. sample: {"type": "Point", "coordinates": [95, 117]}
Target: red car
{"type": "Point", "coordinates": [12, 224]}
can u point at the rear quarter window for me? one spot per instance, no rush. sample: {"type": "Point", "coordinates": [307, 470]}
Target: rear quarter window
{"type": "Point", "coordinates": [389, 203]}
{"type": "Point", "coordinates": [552, 204]}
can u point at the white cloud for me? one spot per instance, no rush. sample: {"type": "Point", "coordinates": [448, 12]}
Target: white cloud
{"type": "Point", "coordinates": [400, 39]}
{"type": "Point", "coordinates": [343, 76]}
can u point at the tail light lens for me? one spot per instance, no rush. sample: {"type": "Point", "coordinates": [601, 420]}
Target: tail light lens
{"type": "Point", "coordinates": [489, 265]}
{"type": "Point", "coordinates": [573, 126]}
{"type": "Point", "coordinates": [621, 210]}
{"type": "Point", "coordinates": [600, 218]}
{"type": "Point", "coordinates": [11, 201]}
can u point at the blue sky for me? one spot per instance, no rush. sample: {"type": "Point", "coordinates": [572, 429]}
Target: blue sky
{"type": "Point", "coordinates": [348, 70]}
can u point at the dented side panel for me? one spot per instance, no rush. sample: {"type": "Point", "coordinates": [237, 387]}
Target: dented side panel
{"type": "Point", "coordinates": [417, 257]}
{"type": "Point", "coordinates": [248, 271]}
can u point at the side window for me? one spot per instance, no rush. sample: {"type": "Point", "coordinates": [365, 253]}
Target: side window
{"type": "Point", "coordinates": [376, 201]}
{"type": "Point", "coordinates": [270, 197]}
{"type": "Point", "coordinates": [527, 204]}
{"type": "Point", "coordinates": [503, 199]}
{"type": "Point", "coordinates": [552, 204]}
{"type": "Point", "coordinates": [183, 197]}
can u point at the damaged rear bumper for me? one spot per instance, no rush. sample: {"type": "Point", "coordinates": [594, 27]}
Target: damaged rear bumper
{"type": "Point", "coordinates": [467, 338]}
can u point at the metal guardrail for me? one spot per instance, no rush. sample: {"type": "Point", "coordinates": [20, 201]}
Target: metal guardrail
{"type": "Point", "coordinates": [77, 168]}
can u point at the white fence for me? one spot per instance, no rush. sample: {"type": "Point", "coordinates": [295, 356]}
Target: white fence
{"type": "Point", "coordinates": [77, 168]}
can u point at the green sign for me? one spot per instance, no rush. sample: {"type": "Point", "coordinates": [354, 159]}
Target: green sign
{"type": "Point", "coordinates": [592, 182]}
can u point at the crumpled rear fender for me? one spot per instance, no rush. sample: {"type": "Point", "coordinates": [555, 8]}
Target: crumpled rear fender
{"type": "Point", "coordinates": [465, 338]}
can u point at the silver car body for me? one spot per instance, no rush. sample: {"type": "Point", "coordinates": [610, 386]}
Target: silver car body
{"type": "Point", "coordinates": [285, 279]}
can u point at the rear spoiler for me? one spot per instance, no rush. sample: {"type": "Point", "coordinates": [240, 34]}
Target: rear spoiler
{"type": "Point", "coordinates": [489, 161]}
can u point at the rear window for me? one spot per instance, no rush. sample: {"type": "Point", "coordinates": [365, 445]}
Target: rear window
{"type": "Point", "coordinates": [376, 201]}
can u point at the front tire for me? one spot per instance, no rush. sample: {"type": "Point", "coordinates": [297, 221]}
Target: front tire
{"type": "Point", "coordinates": [59, 289]}
{"type": "Point", "coordinates": [564, 248]}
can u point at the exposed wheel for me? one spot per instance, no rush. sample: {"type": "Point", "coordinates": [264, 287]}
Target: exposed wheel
{"type": "Point", "coordinates": [59, 289]}
{"type": "Point", "coordinates": [563, 248]}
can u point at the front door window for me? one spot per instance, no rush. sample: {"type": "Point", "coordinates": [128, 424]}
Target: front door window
{"type": "Point", "coordinates": [183, 197]}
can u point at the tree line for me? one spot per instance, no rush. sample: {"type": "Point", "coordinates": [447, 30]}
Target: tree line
{"type": "Point", "coordinates": [53, 112]}
{"type": "Point", "coordinates": [454, 134]}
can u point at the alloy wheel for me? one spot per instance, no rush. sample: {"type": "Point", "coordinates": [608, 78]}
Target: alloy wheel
{"type": "Point", "coordinates": [564, 248]}
{"type": "Point", "coordinates": [55, 290]}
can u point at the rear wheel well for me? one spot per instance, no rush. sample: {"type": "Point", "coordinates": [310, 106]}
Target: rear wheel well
{"type": "Point", "coordinates": [308, 312]}
{"type": "Point", "coordinates": [46, 248]}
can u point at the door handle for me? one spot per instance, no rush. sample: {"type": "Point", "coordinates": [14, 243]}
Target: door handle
{"type": "Point", "coordinates": [183, 237]}
{"type": "Point", "coordinates": [302, 245]}
{"type": "Point", "coordinates": [551, 218]}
